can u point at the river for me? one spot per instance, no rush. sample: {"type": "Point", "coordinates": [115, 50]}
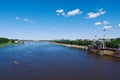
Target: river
{"type": "Point", "coordinates": [48, 61]}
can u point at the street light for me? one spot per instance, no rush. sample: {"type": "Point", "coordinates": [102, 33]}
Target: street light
{"type": "Point", "coordinates": [103, 38]}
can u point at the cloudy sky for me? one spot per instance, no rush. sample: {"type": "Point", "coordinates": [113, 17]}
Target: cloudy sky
{"type": "Point", "coordinates": [58, 19]}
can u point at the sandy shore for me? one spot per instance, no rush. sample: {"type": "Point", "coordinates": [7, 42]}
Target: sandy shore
{"type": "Point", "coordinates": [73, 46]}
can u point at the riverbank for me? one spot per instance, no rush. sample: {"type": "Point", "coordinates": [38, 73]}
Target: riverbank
{"type": "Point", "coordinates": [73, 46]}
{"type": "Point", "coordinates": [102, 52]}
{"type": "Point", "coordinates": [6, 44]}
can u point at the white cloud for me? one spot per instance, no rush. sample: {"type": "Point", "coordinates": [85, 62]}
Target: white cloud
{"type": "Point", "coordinates": [25, 20]}
{"type": "Point", "coordinates": [28, 20]}
{"type": "Point", "coordinates": [107, 27]}
{"type": "Point", "coordinates": [59, 11]}
{"type": "Point", "coordinates": [94, 15]}
{"type": "Point", "coordinates": [98, 23]}
{"type": "Point", "coordinates": [119, 25]}
{"type": "Point", "coordinates": [74, 12]}
{"type": "Point", "coordinates": [17, 18]}
{"type": "Point", "coordinates": [63, 14]}
{"type": "Point", "coordinates": [106, 22]}
{"type": "Point", "coordinates": [102, 23]}
{"type": "Point", "coordinates": [69, 13]}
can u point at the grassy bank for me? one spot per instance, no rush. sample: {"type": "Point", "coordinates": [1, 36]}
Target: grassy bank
{"type": "Point", "coordinates": [6, 44]}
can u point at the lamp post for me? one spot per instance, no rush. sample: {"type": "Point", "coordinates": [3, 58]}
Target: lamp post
{"type": "Point", "coordinates": [119, 43]}
{"type": "Point", "coordinates": [103, 38]}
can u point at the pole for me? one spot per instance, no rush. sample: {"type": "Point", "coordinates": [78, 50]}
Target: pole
{"type": "Point", "coordinates": [104, 38]}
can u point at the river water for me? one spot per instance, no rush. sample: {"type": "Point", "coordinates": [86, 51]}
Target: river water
{"type": "Point", "coordinates": [47, 61]}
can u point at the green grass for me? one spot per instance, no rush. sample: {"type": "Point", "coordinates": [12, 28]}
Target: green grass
{"type": "Point", "coordinates": [6, 44]}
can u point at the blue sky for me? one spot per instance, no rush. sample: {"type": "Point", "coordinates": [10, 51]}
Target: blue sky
{"type": "Point", "coordinates": [59, 19]}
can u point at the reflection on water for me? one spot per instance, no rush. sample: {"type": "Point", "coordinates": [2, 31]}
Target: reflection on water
{"type": "Point", "coordinates": [47, 61]}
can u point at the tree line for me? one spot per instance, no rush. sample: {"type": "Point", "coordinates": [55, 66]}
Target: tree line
{"type": "Point", "coordinates": [6, 40]}
{"type": "Point", "coordinates": [75, 42]}
{"type": "Point", "coordinates": [113, 43]}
